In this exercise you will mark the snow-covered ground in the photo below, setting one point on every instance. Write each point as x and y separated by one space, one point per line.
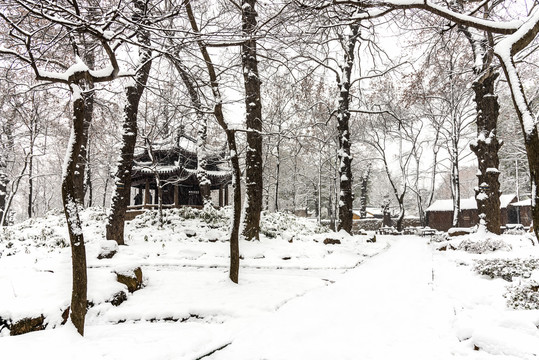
297 298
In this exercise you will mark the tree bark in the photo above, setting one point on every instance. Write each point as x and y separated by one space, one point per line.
531 135
346 197
253 119
486 148
122 190
364 192
231 140
71 210
88 96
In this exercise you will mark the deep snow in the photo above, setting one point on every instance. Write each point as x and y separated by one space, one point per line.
297 298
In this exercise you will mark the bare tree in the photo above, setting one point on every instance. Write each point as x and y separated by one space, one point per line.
120 198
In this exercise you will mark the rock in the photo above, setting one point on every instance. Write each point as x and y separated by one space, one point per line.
108 248
287 258
190 232
130 278
65 315
27 325
330 241
4 323
371 239
446 247
458 232
213 235
118 298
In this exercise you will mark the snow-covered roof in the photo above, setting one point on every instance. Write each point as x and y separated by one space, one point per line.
371 212
527 202
467 204
505 200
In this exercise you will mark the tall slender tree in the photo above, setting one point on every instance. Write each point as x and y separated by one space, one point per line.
120 198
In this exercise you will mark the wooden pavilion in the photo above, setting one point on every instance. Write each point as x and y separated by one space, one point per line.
175 164
440 213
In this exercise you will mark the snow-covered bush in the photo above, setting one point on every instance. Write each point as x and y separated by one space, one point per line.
518 229
481 246
506 269
274 224
439 237
524 296
215 218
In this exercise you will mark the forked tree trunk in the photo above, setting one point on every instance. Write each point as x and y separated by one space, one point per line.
486 147
346 196
122 190
253 119
71 210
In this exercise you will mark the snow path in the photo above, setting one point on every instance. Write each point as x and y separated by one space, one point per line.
387 308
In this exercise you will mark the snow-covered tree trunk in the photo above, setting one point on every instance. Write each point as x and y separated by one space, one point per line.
134 90
32 137
4 181
253 120
278 165
364 198
88 95
231 140
6 154
346 197
505 50
71 210
455 187
486 148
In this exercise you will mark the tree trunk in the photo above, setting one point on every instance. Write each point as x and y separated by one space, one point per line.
234 233
531 135
364 192
88 184
486 147
88 96
231 140
455 186
122 190
253 119
402 210
33 130
4 181
278 166
346 196
71 210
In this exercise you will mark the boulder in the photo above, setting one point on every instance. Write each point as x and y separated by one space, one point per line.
371 239
459 232
27 325
108 248
131 278
190 232
118 298
330 241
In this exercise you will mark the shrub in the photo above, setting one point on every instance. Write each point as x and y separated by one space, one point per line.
524 296
482 246
506 269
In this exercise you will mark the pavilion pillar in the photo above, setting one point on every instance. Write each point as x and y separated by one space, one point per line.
176 196
220 196
226 195
147 192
